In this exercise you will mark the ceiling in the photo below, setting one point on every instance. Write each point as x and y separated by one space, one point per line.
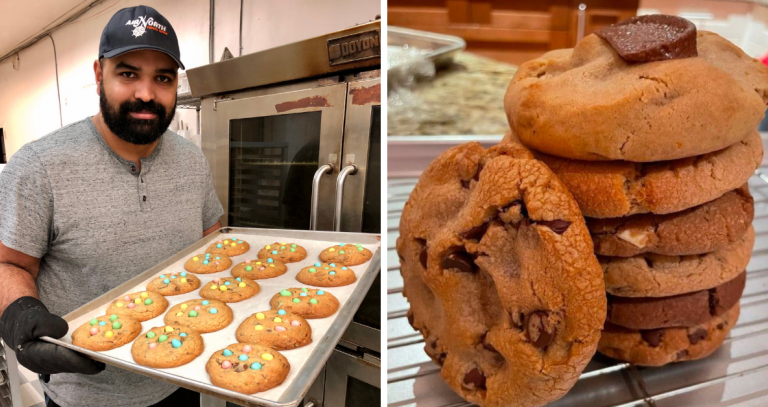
20 25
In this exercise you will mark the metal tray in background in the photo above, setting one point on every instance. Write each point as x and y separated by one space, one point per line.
734 375
440 48
295 391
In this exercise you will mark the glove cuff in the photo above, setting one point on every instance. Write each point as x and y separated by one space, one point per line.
13 311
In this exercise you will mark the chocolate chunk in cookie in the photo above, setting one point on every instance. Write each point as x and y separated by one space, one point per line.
654 37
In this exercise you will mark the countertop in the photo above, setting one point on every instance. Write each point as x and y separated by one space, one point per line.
466 97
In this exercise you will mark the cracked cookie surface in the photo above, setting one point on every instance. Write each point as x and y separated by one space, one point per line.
586 103
501 277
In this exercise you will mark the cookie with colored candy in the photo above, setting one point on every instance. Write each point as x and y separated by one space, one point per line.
656 347
247 368
106 332
276 328
142 305
309 303
174 283
201 315
259 269
346 254
499 270
229 247
285 252
326 275
208 263
230 289
167 346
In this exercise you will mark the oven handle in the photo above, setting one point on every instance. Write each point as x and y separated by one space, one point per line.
351 169
325 169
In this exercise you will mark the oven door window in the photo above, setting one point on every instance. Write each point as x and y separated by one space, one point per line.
272 162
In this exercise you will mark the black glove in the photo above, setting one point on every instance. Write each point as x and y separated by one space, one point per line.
27 319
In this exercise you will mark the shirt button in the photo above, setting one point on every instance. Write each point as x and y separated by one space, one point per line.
144 198
133 168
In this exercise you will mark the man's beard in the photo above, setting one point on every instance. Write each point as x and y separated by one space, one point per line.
132 129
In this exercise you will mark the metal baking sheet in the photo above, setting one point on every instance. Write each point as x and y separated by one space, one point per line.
735 375
438 48
305 362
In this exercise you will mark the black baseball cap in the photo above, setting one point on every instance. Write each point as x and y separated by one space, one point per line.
139 27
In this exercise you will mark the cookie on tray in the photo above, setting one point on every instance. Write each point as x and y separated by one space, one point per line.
174 283
499 270
663 187
587 103
679 310
309 303
346 254
701 229
201 315
247 368
106 332
285 252
142 305
208 263
230 289
229 247
259 269
326 275
167 346
657 347
655 275
276 328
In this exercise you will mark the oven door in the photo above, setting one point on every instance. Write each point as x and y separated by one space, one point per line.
352 379
361 200
267 151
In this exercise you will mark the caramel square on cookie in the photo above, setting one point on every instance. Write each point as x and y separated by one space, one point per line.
106 332
174 283
142 305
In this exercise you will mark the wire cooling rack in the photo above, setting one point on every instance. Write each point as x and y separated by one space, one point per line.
735 375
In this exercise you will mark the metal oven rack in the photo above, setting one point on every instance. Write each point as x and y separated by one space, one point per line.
735 375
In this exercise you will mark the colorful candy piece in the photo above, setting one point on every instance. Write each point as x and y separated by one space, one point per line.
218 246
102 323
205 302
193 313
241 285
267 356
150 335
183 280
113 317
243 357
198 308
223 288
226 364
247 261
227 352
285 293
162 338
144 295
331 249
312 270
108 334
184 306
259 327
131 305
295 323
320 292
274 251
227 282
270 261
303 294
239 279
216 279
247 348
166 281
255 365
94 330
178 314
248 268
153 345
94 321
176 343
313 301
213 311
148 301
183 274
260 316
281 312
332 265
214 287
119 305
296 300
183 334
341 251
137 301
278 319
318 264
168 328
117 325
280 328
332 273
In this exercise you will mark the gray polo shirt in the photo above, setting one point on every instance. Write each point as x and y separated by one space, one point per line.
96 221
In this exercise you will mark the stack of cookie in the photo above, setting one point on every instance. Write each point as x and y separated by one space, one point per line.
652 127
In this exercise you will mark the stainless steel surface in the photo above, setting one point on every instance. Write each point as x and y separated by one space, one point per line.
324 169
343 365
735 375
350 169
299 60
295 391
216 144
14 376
361 97
363 336
316 392
206 400
440 48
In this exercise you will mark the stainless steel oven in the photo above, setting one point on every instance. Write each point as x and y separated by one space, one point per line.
293 138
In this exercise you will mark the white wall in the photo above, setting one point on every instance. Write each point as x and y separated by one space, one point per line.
29 108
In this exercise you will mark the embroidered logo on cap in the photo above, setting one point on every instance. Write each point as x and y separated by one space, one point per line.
141 24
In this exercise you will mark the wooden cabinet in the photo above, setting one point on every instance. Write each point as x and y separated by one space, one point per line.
510 30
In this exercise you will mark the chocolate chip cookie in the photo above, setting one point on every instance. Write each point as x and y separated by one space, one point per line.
285 252
207 263
167 346
142 305
309 303
587 103
276 328
657 347
174 283
247 368
701 229
230 289
499 270
201 315
326 275
689 309
346 254
231 247
656 275
106 332
259 269
615 189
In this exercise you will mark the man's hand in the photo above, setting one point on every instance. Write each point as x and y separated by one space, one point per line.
27 319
